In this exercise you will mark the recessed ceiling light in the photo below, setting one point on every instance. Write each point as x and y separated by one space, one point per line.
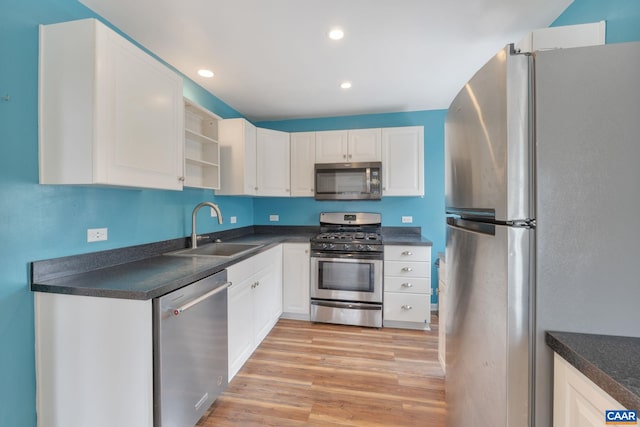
205 73
336 34
345 85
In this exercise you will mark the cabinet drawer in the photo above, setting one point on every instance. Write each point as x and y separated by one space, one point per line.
406 307
407 269
411 285
407 253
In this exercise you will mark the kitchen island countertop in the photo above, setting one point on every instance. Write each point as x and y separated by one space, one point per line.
611 362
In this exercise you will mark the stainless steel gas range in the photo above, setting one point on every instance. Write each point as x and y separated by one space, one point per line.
346 269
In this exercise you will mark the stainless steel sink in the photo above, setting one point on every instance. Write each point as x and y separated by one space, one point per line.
216 250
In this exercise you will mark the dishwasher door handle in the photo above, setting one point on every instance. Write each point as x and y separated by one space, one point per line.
179 310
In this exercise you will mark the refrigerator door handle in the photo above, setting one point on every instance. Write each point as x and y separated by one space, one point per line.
476 226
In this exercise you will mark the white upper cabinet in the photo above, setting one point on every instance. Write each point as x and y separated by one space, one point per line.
237 138
273 177
201 148
365 145
403 161
331 146
110 114
564 37
358 145
303 158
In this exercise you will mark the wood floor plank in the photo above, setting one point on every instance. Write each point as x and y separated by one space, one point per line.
307 374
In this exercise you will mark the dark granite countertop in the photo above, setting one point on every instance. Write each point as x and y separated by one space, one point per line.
611 362
404 236
144 272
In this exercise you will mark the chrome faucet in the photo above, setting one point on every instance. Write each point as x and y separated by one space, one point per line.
194 235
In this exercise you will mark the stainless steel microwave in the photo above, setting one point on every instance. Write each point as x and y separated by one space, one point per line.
348 181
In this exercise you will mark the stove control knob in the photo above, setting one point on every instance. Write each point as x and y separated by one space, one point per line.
369 247
346 247
361 247
332 246
324 246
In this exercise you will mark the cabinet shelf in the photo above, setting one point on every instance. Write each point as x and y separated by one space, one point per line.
197 137
200 162
201 147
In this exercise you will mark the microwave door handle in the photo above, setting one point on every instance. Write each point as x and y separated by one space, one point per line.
368 176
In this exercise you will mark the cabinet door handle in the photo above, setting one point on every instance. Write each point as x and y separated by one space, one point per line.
181 178
406 307
407 253
407 285
407 269
350 156
344 156
255 188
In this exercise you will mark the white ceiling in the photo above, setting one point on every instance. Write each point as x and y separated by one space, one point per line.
273 60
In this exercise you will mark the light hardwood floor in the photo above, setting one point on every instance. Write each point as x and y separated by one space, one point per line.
307 374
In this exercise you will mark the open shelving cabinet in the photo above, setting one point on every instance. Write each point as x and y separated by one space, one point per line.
201 147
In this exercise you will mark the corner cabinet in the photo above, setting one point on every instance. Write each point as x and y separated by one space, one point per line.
238 161
201 148
272 164
254 304
403 161
109 113
303 159
407 287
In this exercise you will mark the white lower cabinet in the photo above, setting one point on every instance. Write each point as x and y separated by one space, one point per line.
94 361
442 314
295 281
407 286
577 401
254 304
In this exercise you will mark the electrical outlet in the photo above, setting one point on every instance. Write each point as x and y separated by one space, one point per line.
233 220
96 234
213 213
274 218
407 219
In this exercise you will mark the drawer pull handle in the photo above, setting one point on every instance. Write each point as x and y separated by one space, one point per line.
406 307
407 269
407 285
407 253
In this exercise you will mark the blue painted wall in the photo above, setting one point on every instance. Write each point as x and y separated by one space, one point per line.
622 17
427 211
40 222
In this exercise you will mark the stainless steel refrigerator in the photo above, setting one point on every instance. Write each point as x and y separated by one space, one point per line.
542 184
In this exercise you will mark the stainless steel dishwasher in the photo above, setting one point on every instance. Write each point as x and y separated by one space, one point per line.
190 351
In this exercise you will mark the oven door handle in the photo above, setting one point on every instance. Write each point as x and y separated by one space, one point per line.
353 305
